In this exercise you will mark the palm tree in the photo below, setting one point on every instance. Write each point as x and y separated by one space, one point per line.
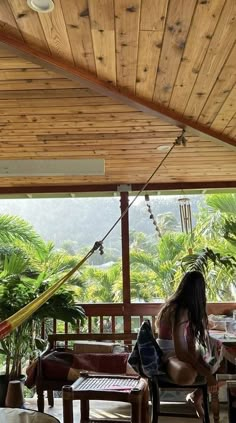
101 285
18 289
167 222
160 269
215 246
218 217
28 266
14 229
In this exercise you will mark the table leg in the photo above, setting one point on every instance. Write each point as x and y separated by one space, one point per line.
67 400
50 398
145 406
136 410
84 411
40 400
68 411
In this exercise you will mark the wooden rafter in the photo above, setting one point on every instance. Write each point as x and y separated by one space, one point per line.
168 186
90 81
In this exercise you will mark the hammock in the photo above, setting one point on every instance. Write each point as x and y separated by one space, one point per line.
8 325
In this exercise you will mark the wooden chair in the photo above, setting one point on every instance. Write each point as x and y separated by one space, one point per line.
163 382
230 380
146 359
231 384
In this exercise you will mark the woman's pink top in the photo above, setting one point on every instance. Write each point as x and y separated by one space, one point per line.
165 338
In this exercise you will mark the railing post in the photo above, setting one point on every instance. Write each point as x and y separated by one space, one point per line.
124 202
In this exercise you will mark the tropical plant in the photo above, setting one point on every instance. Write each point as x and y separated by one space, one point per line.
26 270
217 217
18 290
200 261
215 246
14 229
160 269
167 222
102 285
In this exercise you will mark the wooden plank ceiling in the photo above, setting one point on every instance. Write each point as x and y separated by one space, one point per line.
177 53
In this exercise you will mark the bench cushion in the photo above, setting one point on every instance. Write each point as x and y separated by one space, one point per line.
64 365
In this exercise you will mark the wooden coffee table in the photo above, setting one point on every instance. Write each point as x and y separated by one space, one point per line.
133 390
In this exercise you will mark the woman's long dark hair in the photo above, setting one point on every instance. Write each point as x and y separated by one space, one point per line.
191 296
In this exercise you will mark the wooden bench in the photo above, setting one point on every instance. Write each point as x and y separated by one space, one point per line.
64 341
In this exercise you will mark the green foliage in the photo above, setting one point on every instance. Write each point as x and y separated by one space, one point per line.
16 291
14 228
224 203
27 270
215 246
159 268
167 222
229 231
201 261
211 249
102 285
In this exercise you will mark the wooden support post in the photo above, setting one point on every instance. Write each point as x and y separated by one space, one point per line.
124 202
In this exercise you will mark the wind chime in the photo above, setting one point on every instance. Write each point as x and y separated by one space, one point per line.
185 217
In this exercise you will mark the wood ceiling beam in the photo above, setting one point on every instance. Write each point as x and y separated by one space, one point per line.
163 186
91 81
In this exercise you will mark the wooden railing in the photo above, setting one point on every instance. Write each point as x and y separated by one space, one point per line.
121 321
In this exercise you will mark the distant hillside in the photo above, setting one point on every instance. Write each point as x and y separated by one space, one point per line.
85 220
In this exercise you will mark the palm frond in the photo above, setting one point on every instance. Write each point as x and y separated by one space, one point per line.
144 260
171 245
14 264
209 223
61 306
229 231
200 261
14 228
225 203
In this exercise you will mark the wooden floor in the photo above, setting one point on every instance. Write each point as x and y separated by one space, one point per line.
113 410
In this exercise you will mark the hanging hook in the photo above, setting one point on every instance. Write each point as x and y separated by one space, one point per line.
181 140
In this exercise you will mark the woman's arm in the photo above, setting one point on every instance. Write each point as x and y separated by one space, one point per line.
186 354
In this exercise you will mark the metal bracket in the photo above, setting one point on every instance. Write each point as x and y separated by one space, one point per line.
124 188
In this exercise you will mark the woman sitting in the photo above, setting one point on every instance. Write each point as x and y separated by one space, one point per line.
182 328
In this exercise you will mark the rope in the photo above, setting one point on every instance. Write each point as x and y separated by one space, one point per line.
20 316
140 192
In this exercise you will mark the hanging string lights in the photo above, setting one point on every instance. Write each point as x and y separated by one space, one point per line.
147 199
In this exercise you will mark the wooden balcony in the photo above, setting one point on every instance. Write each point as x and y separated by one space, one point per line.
120 322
